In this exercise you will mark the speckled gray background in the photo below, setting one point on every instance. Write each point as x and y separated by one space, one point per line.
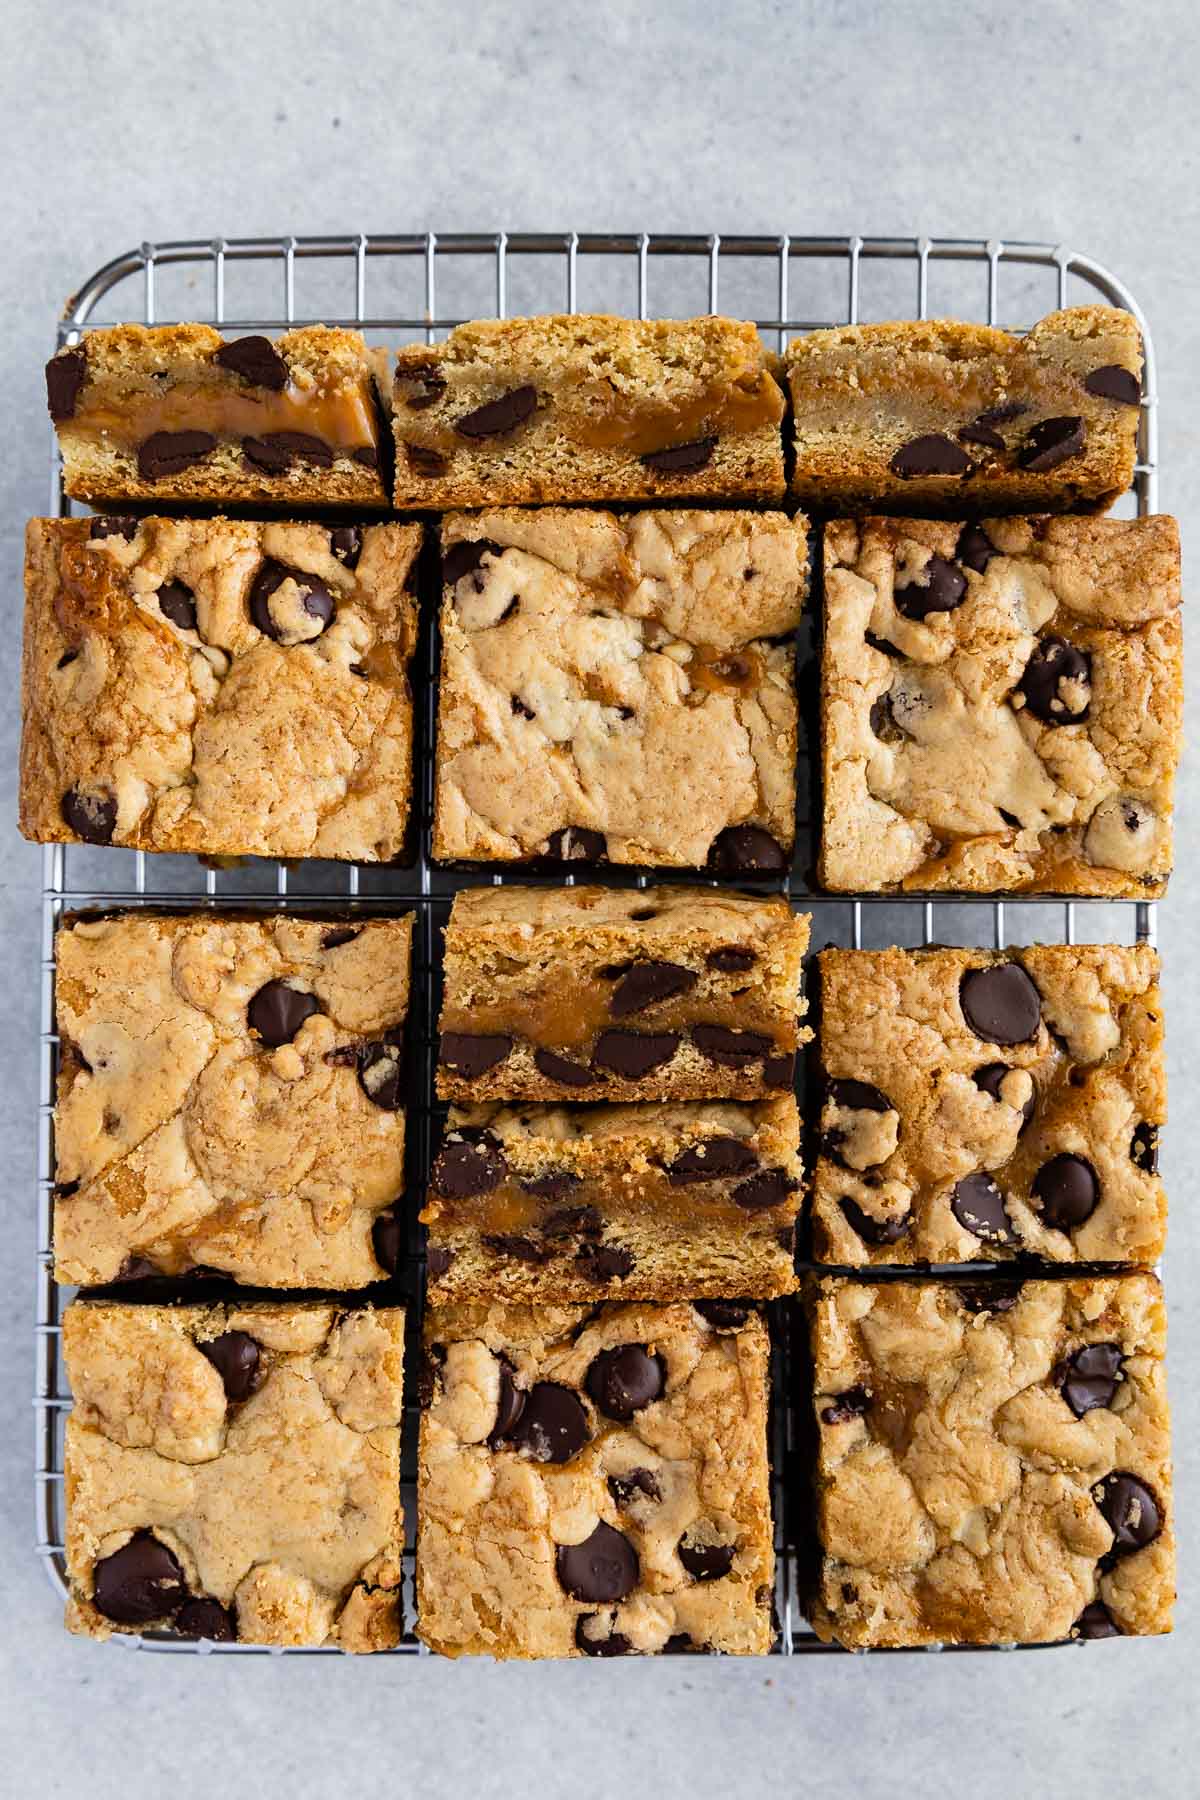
951 117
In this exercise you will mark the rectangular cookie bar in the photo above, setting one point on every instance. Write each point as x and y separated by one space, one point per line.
591 993
650 1201
218 686
230 1096
983 1105
994 1462
508 411
942 416
594 1482
1001 705
615 687
174 412
233 1472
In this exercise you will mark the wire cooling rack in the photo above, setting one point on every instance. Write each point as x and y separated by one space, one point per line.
408 287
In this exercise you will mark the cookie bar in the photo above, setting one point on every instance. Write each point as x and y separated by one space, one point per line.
654 1201
615 687
1001 705
175 412
619 994
984 1105
508 411
233 1473
994 1462
940 416
230 1096
218 686
594 1483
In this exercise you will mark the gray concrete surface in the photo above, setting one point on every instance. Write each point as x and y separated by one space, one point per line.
131 121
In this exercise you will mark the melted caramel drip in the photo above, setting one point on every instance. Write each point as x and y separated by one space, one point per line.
345 419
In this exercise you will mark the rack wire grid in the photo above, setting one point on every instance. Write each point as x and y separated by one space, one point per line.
418 286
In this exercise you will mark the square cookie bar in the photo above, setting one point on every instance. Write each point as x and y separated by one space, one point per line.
942 416
230 1096
588 407
615 687
994 1462
984 1105
233 1472
218 686
595 1483
591 993
174 412
1001 705
654 1202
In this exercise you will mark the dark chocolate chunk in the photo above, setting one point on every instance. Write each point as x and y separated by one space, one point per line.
433 1359
993 1296
1143 1148
177 603
872 1230
638 1481
730 1049
316 599
426 462
883 646
1053 662
1067 1191
603 1569
1090 1376
568 1221
1095 1621
931 454
605 1262
859 1096
623 1381
92 817
137 1268
278 450
1112 382
553 1426
437 1260
113 525
464 1170
680 459
561 1069
510 1404
978 1205
846 1406
615 1644
171 452
256 360
206 1619
498 417
646 983
471 1054
367 456
346 543
724 1315
977 433
422 388
520 1249
942 590
712 1160
705 1562
990 1078
278 1011
236 1357
381 1073
1131 1510
65 375
731 959
341 934
975 548
138 1583
779 1071
634 1054
465 557
1000 1003
387 1238
770 1187
576 843
1050 442
745 850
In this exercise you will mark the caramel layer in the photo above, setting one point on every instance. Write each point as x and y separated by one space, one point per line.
508 1209
344 419
553 1020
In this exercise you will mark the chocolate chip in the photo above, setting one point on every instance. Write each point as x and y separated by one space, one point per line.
991 1297
978 1205
1143 1148
603 1569
634 1054
615 1644
426 462
648 983
510 1404
520 710
576 843
779 1071
235 1356
465 557
171 452
437 1261
883 646
769 1188
883 722
1112 382
433 1359
1052 441
871 1230
464 1170
1131 1510
729 1049
930 455
731 959
346 542
137 1268
560 1069
65 375
975 548
206 1619
744 849
859 1096
520 1249
341 934
942 590
1089 1377
623 1381
471 1054
278 450
381 1073
140 1582
1053 662
256 360
387 1239
987 435
1095 1621
278 1011
315 598
499 417
1067 1191
92 817
990 1078
1000 1003
723 1315
605 1262
623 1488
568 1221
366 455
705 1562
712 1160
680 459
113 525
850 1405
553 1426
422 387
177 603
